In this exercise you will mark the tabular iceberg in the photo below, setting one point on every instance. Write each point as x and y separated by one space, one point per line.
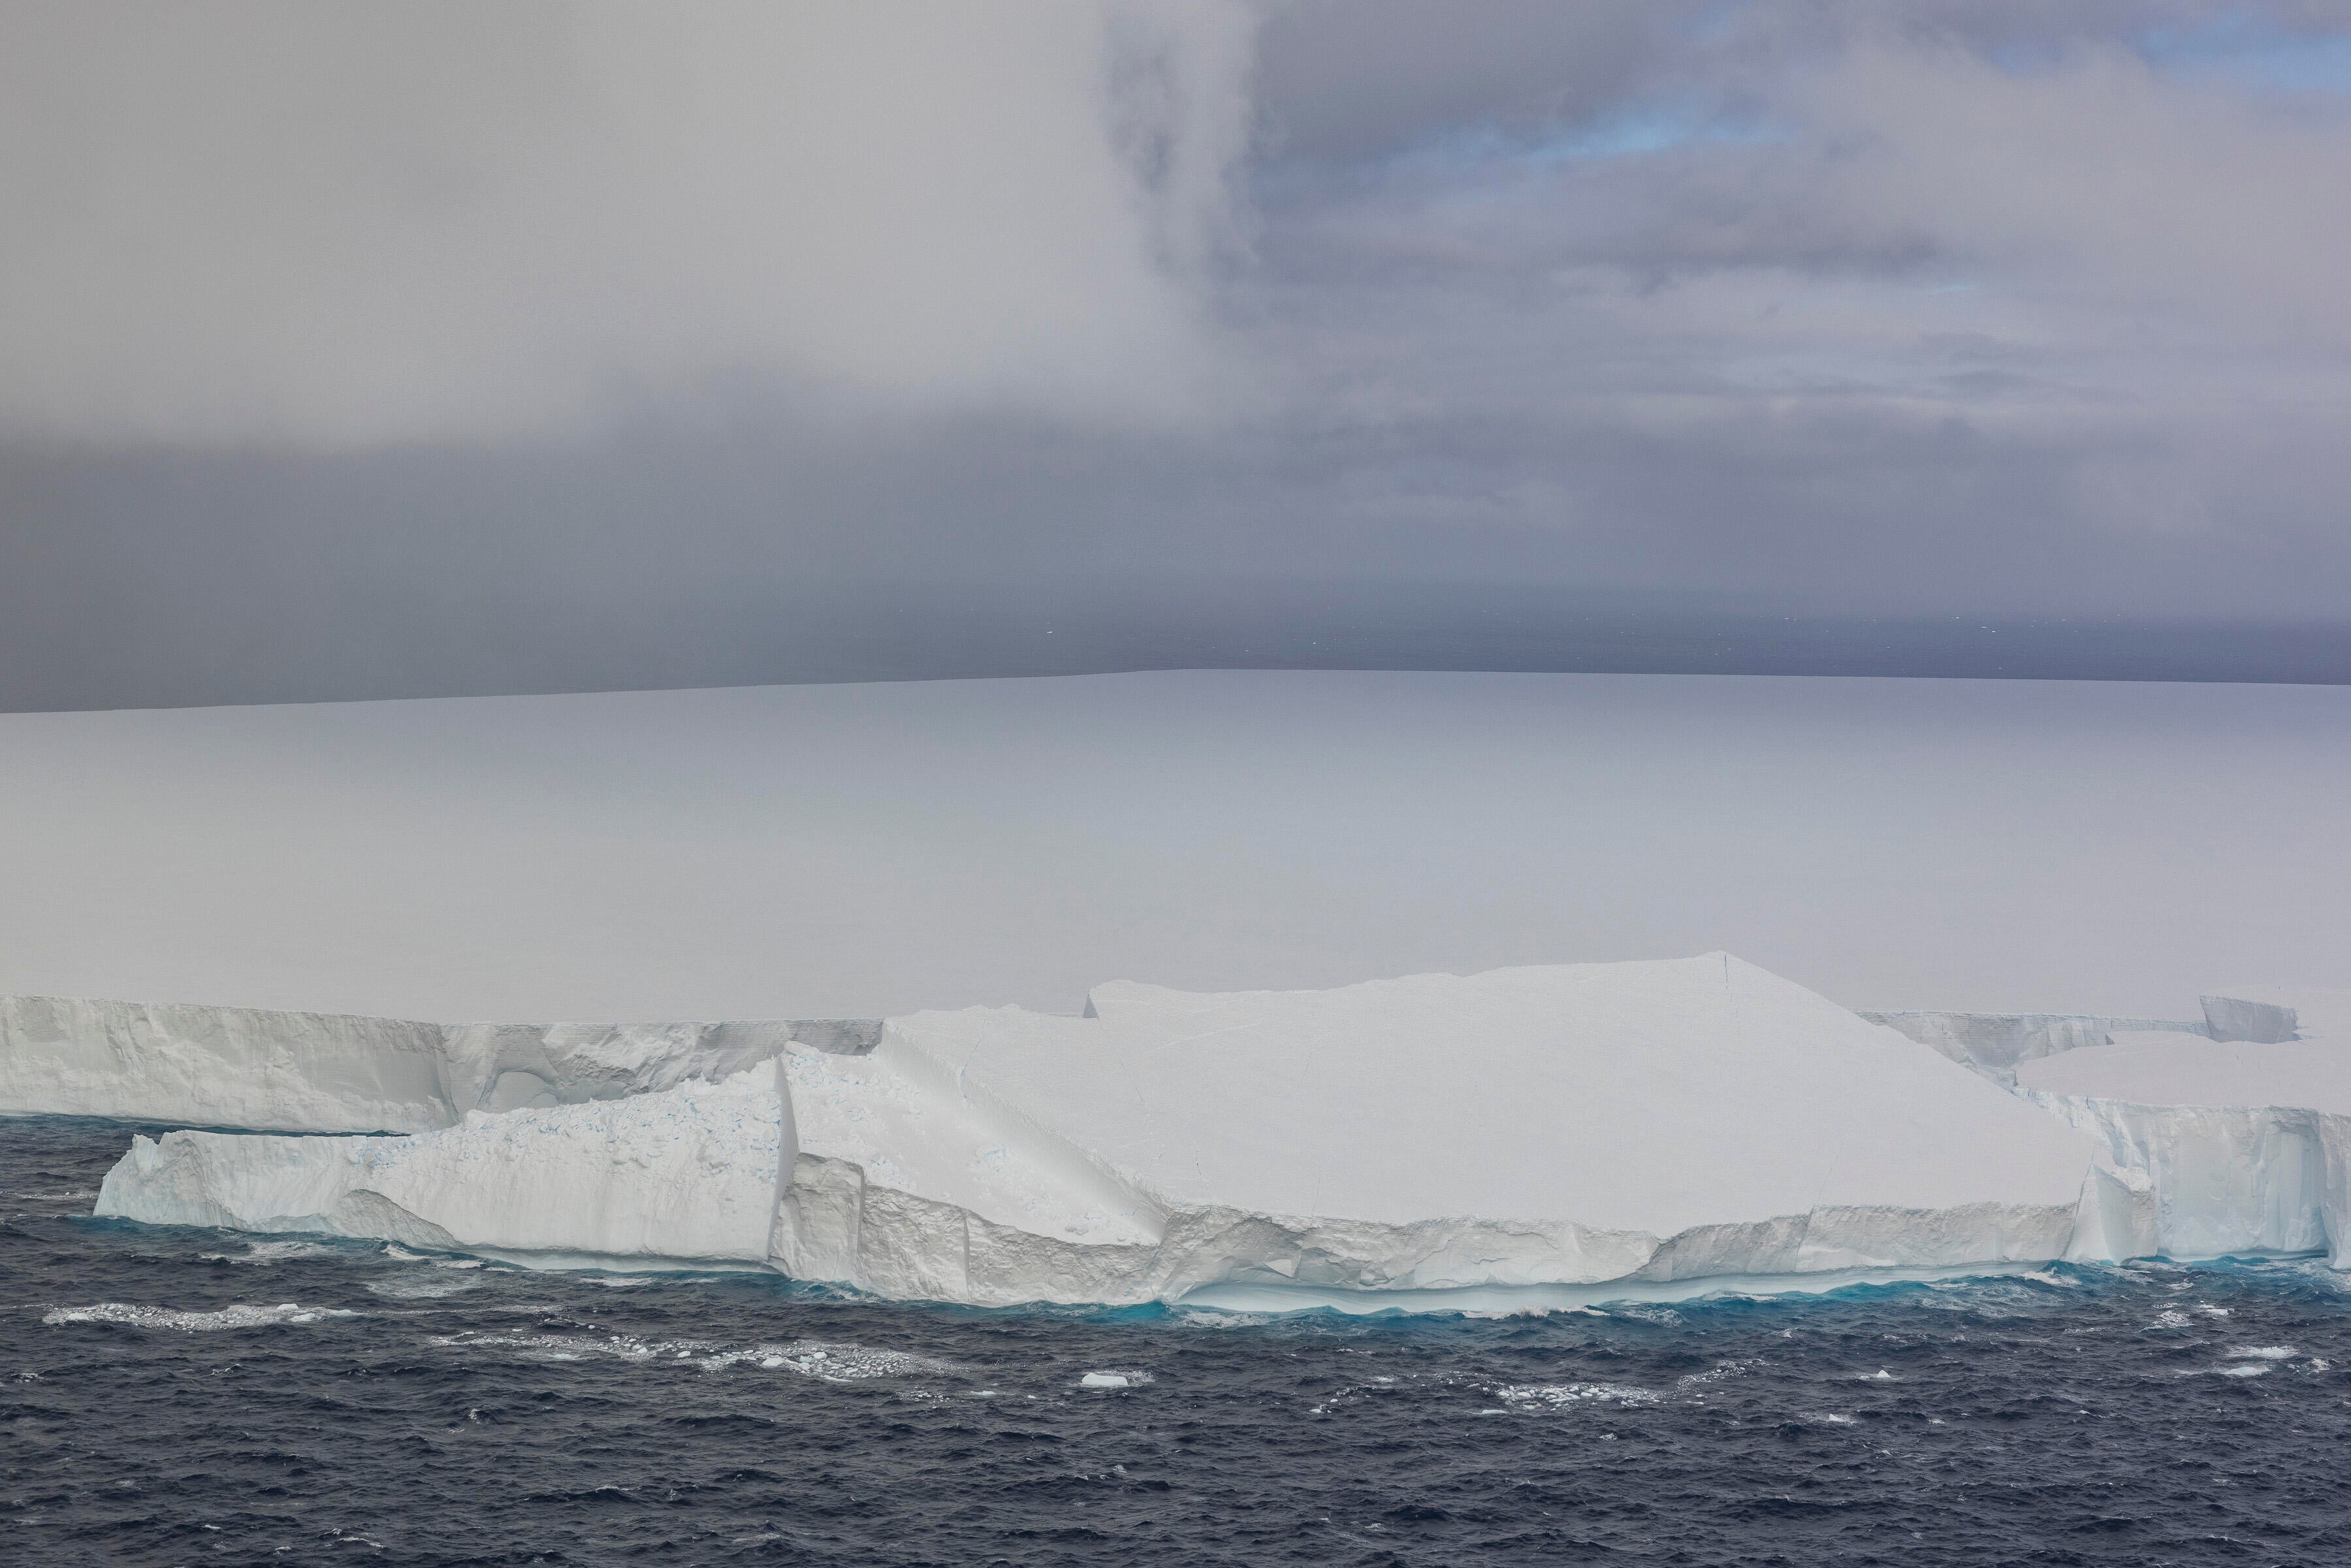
1530 1136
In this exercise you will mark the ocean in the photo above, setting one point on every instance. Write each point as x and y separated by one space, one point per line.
174 1396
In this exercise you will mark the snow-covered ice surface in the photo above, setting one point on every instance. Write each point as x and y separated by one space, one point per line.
2156 1069
870 851
686 1175
1644 1096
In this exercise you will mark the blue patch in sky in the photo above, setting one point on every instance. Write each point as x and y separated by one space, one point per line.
2252 51
1628 133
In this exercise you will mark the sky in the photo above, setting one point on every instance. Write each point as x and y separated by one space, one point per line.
441 349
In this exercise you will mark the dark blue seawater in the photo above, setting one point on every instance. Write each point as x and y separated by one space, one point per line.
186 1396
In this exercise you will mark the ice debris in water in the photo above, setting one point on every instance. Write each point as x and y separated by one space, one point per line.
234 1317
399 1254
1112 1379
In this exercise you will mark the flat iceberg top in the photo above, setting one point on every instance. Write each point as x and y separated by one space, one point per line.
1644 1096
2188 1070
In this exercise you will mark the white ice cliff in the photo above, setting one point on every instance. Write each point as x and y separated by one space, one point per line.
2236 1146
1532 1136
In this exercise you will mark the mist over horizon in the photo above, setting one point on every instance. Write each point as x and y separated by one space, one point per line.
439 350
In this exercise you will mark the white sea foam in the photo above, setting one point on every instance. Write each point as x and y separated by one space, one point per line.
264 1253
424 1287
1556 1395
828 1363
2263 1353
1715 1374
184 1322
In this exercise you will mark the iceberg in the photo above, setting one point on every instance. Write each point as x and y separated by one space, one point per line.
1523 1138
686 1175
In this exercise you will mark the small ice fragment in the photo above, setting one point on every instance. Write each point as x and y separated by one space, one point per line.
1103 1380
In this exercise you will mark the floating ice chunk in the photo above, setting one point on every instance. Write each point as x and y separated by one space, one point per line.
1103 1380
687 1174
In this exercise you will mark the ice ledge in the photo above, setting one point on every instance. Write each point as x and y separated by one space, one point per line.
266 1070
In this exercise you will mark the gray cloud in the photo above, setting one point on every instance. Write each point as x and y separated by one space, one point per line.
439 351
271 221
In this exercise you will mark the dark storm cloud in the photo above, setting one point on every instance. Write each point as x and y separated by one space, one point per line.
546 352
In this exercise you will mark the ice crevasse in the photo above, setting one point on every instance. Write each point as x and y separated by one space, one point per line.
1527 1136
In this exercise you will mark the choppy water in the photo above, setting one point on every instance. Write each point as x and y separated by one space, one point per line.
179 1396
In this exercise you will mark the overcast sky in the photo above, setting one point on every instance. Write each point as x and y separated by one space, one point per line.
440 346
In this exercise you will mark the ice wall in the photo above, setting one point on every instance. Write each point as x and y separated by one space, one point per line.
267 1071
221 1067
2225 1181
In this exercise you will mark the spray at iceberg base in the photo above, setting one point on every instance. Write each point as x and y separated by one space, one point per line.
1520 1140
